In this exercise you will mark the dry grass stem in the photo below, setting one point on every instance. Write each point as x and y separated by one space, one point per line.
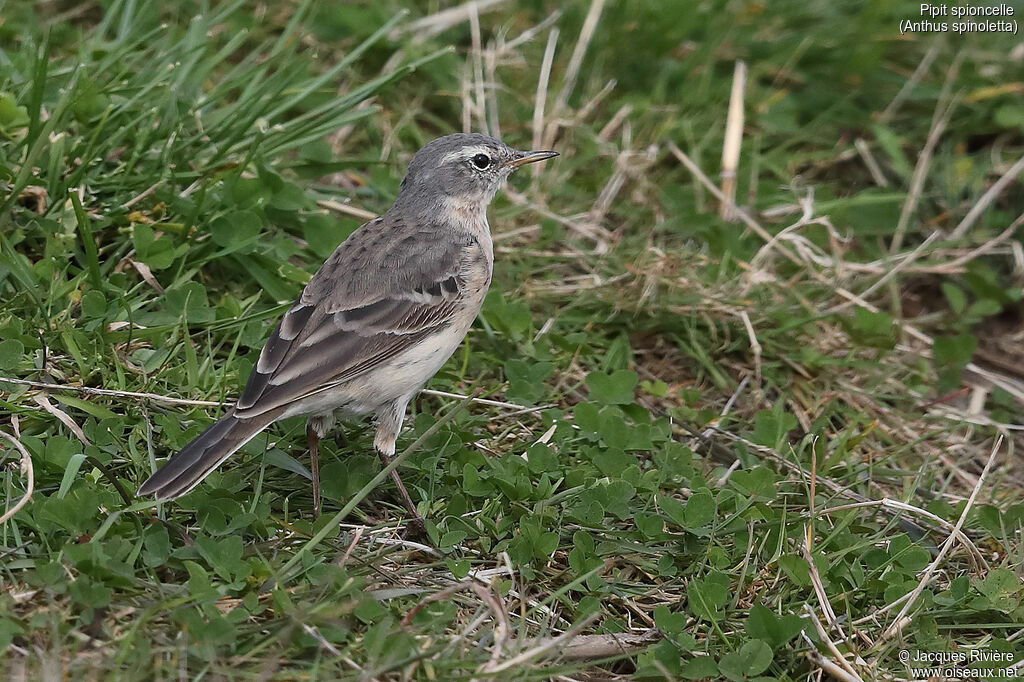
986 199
88 390
733 141
588 107
62 416
1007 384
973 551
429 26
794 468
343 559
572 71
542 93
615 122
869 162
26 469
755 346
900 621
530 33
466 98
890 273
346 209
591 647
490 57
828 666
476 59
706 433
142 195
920 174
815 577
147 275
545 646
606 197
910 83
210 403
595 233
840 660
940 118
739 212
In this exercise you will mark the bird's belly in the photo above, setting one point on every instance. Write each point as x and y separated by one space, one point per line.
401 376
407 372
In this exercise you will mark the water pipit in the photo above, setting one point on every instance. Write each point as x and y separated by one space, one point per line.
380 317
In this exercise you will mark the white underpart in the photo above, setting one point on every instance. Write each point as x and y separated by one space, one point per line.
401 377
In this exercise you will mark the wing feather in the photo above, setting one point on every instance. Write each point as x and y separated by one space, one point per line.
388 286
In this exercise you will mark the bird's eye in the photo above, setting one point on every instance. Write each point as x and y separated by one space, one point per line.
482 161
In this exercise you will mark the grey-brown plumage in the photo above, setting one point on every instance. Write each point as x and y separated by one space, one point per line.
380 317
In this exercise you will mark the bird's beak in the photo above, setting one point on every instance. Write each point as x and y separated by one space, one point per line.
523 158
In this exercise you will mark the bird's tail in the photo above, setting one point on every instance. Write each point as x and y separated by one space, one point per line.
196 460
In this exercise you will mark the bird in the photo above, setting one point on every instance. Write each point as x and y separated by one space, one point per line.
379 318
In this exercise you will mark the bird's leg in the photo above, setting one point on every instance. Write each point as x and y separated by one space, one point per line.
313 440
389 423
406 499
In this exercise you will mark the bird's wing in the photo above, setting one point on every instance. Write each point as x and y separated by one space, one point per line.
389 285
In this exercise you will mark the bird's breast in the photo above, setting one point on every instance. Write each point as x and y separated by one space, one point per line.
477 266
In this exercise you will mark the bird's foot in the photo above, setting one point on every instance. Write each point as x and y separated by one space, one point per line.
415 529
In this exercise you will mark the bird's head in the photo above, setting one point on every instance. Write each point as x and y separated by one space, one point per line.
466 167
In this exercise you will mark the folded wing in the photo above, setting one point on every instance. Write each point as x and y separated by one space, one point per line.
366 305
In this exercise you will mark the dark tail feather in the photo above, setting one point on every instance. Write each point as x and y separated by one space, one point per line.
196 460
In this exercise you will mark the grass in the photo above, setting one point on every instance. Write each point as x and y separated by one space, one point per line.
713 454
